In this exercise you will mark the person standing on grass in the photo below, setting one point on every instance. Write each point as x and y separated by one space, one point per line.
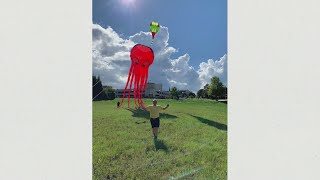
154 116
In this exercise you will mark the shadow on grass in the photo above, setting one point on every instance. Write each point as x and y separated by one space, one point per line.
140 122
158 144
211 123
167 116
139 113
145 114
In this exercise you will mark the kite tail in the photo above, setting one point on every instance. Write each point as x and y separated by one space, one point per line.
141 90
136 89
125 89
146 79
145 85
129 94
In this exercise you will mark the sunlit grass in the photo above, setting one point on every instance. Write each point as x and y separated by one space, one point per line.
192 142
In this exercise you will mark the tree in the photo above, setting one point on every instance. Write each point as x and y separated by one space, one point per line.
216 88
110 93
192 95
183 94
200 93
97 90
206 91
100 92
174 93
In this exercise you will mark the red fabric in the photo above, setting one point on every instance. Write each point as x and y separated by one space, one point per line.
141 58
153 34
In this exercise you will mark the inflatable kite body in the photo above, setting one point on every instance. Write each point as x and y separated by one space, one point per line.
141 58
154 28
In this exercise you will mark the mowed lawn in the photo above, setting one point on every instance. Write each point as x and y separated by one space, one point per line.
192 142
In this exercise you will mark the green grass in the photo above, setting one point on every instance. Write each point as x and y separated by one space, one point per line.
192 142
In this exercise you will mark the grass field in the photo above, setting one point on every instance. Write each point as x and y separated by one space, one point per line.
192 142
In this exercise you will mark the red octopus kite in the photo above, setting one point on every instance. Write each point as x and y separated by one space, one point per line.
141 58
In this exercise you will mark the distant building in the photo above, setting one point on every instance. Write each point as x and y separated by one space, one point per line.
119 93
153 90
162 94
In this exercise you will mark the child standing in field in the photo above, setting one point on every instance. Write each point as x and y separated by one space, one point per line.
154 116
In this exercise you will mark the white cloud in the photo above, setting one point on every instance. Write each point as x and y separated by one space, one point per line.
111 61
213 68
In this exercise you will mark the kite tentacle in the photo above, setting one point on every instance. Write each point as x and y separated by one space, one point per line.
124 91
129 94
141 90
145 83
136 88
141 87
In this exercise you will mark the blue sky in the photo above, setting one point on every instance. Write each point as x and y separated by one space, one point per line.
198 28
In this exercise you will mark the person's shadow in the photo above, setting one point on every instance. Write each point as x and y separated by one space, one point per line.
211 123
146 115
159 145
138 113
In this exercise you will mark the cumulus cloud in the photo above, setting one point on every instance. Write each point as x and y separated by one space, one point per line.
213 68
111 61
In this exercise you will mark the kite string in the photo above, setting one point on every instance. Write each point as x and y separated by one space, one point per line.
96 83
178 157
175 158
98 94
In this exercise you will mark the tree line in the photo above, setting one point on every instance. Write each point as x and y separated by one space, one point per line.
101 93
176 94
214 90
